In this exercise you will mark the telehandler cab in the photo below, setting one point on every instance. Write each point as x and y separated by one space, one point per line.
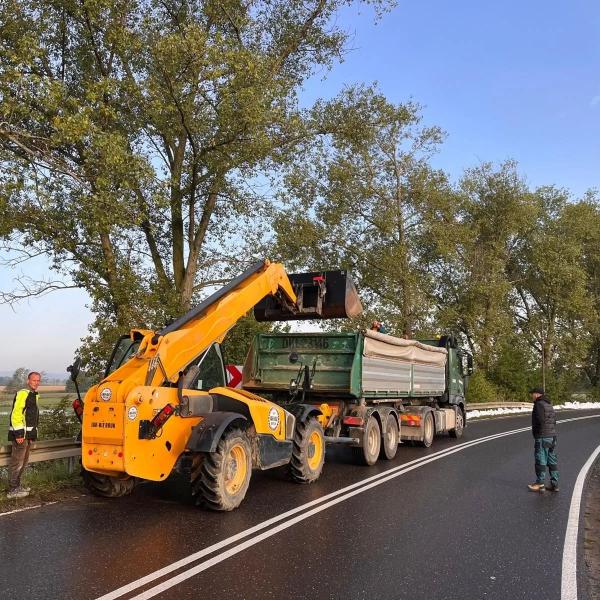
163 403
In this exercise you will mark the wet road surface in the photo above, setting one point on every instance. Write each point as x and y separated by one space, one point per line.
452 521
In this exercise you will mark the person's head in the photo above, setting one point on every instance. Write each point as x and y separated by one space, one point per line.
536 392
375 325
33 380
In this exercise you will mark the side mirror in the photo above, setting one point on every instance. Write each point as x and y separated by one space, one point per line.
74 369
469 364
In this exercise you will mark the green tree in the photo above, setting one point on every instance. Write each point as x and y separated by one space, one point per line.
494 209
237 342
515 369
587 214
481 389
363 198
84 382
129 131
18 380
59 422
552 305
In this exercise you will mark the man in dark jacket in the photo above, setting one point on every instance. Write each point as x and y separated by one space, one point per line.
378 326
543 427
22 431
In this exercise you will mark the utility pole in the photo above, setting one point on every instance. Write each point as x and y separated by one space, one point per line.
543 369
543 362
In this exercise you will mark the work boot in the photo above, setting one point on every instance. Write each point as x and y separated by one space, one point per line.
553 486
536 487
17 493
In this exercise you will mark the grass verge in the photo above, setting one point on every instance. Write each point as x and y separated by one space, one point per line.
49 481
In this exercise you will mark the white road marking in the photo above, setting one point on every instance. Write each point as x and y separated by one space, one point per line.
578 419
342 495
568 588
18 510
234 538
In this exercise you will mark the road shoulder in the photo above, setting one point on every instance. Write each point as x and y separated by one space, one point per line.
591 540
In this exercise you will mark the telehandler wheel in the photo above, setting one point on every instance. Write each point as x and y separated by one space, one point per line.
308 453
221 480
389 445
428 430
105 486
460 425
369 453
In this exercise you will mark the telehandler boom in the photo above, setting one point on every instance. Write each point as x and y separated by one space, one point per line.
163 403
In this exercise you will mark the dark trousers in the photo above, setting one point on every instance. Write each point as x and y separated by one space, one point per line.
545 456
18 461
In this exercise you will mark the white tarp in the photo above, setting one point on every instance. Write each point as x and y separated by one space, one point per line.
380 345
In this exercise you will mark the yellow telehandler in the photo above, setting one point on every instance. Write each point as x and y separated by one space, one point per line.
164 404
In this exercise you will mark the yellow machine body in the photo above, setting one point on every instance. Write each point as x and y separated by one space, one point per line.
146 383
112 444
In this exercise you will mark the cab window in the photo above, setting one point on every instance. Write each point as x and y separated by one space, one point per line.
210 371
123 351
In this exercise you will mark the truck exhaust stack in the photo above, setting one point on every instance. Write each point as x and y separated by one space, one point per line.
321 295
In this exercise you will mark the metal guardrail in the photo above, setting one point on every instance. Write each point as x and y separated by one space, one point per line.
68 448
45 450
486 405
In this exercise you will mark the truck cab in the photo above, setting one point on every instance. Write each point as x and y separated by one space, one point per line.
458 368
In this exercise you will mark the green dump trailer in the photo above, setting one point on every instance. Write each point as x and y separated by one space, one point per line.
369 390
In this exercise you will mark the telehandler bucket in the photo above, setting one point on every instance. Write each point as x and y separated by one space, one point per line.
321 295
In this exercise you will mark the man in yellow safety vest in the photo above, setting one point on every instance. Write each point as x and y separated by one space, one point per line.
22 430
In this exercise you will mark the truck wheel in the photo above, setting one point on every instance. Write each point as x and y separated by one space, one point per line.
369 453
389 446
460 424
105 486
428 430
221 478
308 454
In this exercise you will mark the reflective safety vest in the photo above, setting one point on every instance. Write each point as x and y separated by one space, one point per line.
24 415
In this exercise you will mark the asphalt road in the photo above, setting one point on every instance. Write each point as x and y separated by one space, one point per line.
429 524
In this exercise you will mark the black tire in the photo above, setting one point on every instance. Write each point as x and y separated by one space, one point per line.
369 452
308 453
220 479
389 444
428 430
460 424
105 486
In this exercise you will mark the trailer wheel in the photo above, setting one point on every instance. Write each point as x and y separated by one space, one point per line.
221 479
460 425
369 453
389 446
428 430
308 454
105 486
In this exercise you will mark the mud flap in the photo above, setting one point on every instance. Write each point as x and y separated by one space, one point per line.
271 453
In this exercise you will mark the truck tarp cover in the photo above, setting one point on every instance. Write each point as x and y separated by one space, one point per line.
379 345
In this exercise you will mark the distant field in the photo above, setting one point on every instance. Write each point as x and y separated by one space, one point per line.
47 399
43 388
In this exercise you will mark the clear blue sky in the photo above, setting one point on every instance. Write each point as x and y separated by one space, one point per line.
508 79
